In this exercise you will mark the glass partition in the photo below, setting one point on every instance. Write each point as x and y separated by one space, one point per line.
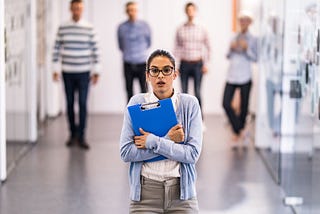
270 84
288 120
315 191
17 77
300 117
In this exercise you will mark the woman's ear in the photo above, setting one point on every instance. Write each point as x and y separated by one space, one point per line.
175 74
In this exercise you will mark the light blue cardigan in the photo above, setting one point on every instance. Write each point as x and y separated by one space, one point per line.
189 115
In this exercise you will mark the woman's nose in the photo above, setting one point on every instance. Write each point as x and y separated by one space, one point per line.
160 74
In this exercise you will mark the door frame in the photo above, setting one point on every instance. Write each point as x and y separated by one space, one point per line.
3 155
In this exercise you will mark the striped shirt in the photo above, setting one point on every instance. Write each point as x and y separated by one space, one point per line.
192 43
76 48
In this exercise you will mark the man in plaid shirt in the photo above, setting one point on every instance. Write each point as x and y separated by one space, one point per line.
192 48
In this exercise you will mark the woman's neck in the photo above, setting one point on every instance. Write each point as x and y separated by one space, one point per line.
164 95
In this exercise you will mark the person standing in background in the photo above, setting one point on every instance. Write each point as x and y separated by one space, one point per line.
192 48
134 39
76 50
242 52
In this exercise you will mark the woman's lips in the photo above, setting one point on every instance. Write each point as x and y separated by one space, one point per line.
160 83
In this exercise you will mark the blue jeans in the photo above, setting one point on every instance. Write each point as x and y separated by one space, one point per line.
194 70
74 82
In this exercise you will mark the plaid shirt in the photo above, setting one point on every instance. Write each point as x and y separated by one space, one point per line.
192 43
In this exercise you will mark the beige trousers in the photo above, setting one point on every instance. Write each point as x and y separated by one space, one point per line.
162 197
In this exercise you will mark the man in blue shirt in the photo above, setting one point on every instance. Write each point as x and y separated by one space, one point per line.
134 39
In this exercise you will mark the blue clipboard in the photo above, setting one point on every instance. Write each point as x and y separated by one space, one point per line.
156 117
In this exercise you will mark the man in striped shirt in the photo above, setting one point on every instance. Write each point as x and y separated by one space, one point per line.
192 48
77 52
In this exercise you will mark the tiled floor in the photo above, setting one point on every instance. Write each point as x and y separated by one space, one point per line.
52 178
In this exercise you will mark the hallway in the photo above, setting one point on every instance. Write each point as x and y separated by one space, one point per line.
52 178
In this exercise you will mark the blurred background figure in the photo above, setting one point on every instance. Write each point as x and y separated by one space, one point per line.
76 48
134 39
192 48
242 52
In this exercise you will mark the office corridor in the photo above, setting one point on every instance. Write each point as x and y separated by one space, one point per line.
52 178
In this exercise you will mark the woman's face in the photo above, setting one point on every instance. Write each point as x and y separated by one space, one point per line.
162 85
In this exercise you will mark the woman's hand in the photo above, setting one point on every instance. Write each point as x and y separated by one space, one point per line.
176 133
140 141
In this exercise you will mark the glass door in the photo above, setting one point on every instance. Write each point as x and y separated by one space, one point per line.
315 195
301 100
270 85
19 78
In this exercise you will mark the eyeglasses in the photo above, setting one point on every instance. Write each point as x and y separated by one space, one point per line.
166 71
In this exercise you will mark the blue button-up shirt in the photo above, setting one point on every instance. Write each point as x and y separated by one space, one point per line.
240 61
134 39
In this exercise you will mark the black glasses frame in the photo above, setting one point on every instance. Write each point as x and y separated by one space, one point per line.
161 70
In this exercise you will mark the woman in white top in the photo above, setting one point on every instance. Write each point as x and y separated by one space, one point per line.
166 185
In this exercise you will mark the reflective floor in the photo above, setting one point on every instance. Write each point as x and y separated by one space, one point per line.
15 152
16 133
52 178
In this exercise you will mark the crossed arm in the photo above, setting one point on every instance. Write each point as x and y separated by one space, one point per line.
147 146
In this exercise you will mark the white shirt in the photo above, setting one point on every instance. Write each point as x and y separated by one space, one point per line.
239 71
164 169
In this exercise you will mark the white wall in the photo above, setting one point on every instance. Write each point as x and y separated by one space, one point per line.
53 90
164 17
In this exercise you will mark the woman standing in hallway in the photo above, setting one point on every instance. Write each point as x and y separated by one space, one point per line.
164 186
242 52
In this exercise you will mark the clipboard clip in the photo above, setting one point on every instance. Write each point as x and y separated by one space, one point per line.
148 106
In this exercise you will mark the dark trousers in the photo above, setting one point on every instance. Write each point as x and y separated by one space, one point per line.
132 71
77 82
194 70
237 121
